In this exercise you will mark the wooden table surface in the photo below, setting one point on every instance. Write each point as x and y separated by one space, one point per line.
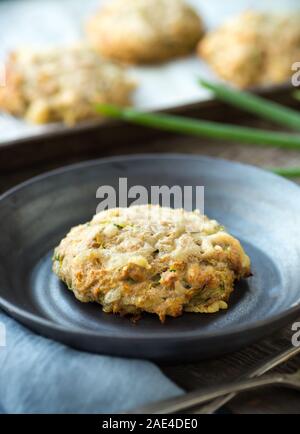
22 162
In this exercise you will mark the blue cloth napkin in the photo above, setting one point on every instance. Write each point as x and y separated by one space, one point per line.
38 375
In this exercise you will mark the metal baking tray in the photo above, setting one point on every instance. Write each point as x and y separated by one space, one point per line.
57 22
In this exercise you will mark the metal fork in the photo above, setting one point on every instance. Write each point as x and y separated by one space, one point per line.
197 398
190 400
257 371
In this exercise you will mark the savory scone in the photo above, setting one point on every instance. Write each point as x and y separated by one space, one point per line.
153 259
145 31
253 48
62 84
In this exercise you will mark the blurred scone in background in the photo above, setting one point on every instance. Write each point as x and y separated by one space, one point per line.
62 84
253 48
145 31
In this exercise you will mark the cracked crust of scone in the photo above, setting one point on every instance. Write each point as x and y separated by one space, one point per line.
62 84
151 259
140 31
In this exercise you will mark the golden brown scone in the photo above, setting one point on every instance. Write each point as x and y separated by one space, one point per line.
153 259
253 48
61 84
145 31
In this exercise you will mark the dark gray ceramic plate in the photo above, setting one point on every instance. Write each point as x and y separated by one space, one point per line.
261 209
